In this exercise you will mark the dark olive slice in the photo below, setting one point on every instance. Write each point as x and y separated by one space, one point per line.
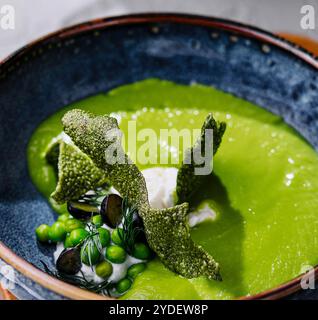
111 210
69 261
138 224
81 210
137 221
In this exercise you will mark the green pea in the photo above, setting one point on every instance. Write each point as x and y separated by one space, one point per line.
72 224
104 269
57 232
104 237
97 221
68 242
42 232
123 285
116 236
90 254
115 254
136 269
77 236
141 251
63 217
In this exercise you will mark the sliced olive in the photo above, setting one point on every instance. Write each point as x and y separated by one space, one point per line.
81 210
111 210
69 261
137 221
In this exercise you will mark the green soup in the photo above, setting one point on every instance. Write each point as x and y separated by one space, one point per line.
264 187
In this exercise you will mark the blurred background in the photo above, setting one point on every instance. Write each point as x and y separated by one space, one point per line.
34 18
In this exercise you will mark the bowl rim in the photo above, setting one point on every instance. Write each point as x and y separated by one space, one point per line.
268 38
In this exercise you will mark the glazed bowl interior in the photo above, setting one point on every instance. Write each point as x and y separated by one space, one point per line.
96 57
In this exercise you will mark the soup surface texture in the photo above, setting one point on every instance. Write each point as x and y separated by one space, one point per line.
263 188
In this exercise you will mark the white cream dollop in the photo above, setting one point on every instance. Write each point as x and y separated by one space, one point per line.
161 184
201 214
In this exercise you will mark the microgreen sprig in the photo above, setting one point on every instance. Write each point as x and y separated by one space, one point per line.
130 231
89 242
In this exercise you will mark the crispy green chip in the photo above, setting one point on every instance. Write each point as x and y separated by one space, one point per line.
168 234
100 138
77 174
187 179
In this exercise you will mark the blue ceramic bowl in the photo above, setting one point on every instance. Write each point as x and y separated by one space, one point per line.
97 56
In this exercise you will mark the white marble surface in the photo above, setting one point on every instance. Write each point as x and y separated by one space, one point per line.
35 18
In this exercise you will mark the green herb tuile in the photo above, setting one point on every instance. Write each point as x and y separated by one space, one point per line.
187 180
77 174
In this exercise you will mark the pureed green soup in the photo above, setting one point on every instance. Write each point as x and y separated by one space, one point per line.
263 188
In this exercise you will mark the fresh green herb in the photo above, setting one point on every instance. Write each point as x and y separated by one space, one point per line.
130 231
92 248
